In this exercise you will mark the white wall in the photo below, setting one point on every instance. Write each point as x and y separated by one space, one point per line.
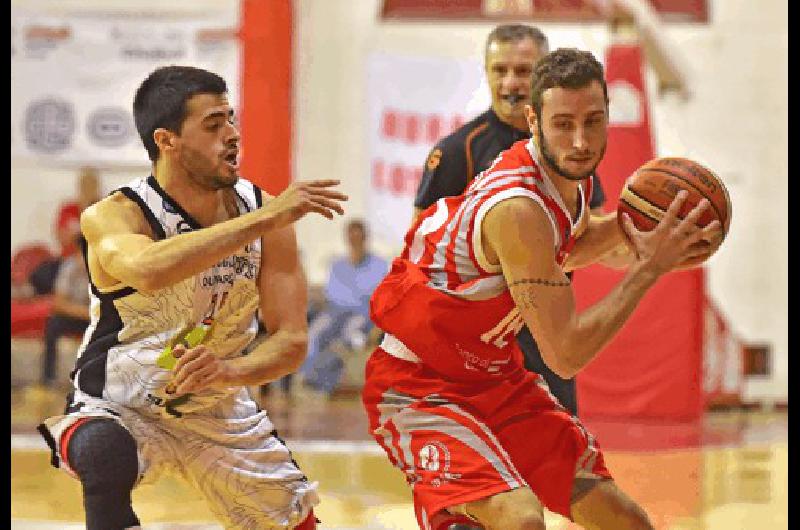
736 122
38 189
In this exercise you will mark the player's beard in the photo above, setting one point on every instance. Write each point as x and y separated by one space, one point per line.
547 154
201 171
218 182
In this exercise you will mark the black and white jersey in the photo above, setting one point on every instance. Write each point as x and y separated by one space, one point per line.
130 329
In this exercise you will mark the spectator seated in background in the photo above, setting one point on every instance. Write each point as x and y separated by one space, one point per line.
343 323
28 311
67 230
69 214
70 311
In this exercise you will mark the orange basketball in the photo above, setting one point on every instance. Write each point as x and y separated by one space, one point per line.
651 189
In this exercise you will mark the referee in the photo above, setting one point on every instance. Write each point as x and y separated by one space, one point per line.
511 52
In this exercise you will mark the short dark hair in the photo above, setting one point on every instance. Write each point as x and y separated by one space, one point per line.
160 100
517 32
567 68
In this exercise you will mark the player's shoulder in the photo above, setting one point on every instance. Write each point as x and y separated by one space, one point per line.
111 214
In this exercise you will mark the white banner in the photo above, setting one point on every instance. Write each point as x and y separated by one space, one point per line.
412 103
73 79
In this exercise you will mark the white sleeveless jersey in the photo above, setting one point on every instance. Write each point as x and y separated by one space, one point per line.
130 329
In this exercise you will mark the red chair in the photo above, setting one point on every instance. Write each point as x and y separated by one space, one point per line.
28 316
25 260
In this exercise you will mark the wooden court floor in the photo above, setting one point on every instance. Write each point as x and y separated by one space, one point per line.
729 472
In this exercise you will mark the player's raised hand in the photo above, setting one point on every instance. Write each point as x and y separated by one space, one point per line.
674 241
301 198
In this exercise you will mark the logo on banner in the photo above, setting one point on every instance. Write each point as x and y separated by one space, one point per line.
41 40
625 104
49 125
109 126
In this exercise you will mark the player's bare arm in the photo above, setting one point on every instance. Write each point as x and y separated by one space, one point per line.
605 242
282 292
518 235
283 304
122 249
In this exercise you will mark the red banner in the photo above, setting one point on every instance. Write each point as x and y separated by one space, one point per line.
653 368
266 35
533 10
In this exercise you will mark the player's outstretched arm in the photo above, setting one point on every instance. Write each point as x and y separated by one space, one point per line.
118 236
518 232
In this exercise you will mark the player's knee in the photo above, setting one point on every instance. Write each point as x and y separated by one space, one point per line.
637 519
519 508
631 516
103 455
530 521
520 517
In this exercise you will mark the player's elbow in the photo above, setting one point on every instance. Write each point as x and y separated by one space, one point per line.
144 280
132 271
564 370
296 349
559 364
143 283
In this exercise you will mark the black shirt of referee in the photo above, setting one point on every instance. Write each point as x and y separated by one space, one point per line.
452 164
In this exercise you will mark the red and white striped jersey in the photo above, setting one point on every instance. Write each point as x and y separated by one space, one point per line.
445 242
442 303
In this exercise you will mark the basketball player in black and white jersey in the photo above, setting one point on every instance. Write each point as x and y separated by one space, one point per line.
179 263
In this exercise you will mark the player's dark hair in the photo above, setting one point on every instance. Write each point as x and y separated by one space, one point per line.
566 68
160 100
515 33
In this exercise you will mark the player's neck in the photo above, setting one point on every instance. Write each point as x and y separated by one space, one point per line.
202 203
567 188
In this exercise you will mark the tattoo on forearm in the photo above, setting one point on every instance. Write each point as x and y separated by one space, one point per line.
524 298
539 281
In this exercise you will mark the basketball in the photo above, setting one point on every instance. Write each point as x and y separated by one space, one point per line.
648 193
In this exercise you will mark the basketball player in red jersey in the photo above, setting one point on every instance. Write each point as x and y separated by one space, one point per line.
479 439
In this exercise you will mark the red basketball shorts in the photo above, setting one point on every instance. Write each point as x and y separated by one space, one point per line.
458 443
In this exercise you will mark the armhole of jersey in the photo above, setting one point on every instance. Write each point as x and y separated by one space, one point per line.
257 192
477 241
158 230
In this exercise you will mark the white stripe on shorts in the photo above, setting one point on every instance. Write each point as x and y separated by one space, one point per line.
410 420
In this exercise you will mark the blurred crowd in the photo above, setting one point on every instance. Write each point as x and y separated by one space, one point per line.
50 288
